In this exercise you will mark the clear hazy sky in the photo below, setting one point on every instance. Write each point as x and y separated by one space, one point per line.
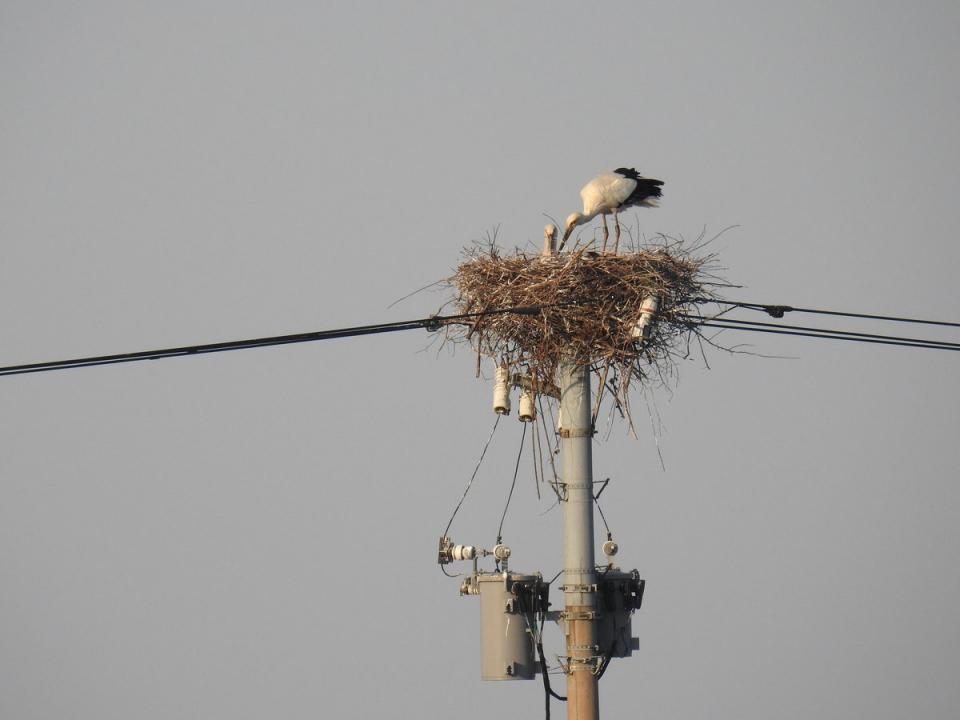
253 534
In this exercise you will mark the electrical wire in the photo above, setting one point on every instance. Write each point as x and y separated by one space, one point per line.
829 331
596 500
530 617
537 456
473 476
723 324
435 322
944 344
605 663
555 485
516 471
432 324
779 310
545 673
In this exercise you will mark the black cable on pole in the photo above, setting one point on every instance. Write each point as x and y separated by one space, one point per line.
436 322
431 323
945 344
596 500
551 449
778 311
537 469
775 331
516 471
473 476
605 663
544 670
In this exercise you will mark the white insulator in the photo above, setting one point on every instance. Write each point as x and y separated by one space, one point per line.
501 552
463 552
528 410
501 392
644 325
610 548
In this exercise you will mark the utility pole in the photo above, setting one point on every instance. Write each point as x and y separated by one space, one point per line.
580 577
511 602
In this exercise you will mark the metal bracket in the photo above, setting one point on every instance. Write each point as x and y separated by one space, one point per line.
590 663
525 382
579 588
444 552
577 432
579 614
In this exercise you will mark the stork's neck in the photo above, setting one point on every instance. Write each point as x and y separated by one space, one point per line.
587 217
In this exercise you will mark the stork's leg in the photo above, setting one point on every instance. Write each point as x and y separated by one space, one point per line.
616 236
606 232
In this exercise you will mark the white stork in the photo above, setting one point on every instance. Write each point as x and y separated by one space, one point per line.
611 193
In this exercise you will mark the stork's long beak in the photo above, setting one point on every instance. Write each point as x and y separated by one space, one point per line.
566 236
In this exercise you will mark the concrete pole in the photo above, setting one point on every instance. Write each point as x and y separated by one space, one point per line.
576 433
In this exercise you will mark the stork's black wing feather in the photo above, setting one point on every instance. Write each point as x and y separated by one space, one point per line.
646 188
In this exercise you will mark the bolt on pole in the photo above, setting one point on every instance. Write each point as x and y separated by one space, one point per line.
580 606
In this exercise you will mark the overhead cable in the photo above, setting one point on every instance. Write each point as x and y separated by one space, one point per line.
432 323
778 311
435 322
772 328
829 331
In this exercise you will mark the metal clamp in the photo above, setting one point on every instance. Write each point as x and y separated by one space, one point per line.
579 588
577 432
590 663
579 614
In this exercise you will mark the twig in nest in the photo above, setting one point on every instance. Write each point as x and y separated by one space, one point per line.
590 305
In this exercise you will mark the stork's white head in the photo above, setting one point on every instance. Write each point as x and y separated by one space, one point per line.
573 220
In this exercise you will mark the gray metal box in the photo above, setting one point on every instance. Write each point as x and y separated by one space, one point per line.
506 643
618 595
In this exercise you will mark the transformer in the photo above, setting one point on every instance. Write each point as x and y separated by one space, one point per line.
618 595
509 603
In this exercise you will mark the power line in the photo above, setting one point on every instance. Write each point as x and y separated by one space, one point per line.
832 335
432 323
778 311
828 331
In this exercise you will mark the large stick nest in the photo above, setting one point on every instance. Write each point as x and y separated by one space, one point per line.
589 305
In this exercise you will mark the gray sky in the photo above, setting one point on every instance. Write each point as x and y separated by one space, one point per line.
253 534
